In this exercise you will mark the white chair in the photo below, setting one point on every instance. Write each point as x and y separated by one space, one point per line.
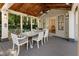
34 30
38 38
19 41
45 35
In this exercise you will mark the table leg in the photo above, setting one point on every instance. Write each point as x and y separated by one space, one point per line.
31 45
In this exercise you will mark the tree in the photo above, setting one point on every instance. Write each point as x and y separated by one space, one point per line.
14 21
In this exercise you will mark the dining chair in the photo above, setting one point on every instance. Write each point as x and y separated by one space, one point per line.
45 35
38 38
19 41
33 29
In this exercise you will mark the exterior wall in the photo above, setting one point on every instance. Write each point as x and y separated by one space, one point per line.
4 11
73 17
60 33
76 25
71 25
67 25
4 24
54 14
78 32
41 21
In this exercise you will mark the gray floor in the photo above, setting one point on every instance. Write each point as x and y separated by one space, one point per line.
54 47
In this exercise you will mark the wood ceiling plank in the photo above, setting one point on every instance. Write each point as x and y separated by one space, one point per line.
1 4
35 8
16 6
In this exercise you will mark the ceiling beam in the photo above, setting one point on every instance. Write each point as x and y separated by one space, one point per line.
6 6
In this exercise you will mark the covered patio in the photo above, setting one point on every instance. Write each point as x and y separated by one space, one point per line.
54 47
34 21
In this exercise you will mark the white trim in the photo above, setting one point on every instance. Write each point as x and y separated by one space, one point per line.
6 6
21 23
31 23
38 22
71 25
74 6
4 11
19 13
22 14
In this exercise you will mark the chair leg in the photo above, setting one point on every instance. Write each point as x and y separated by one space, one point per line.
32 42
47 38
42 42
13 46
18 50
38 44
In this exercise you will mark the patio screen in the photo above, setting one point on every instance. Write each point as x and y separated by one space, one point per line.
14 23
34 23
26 23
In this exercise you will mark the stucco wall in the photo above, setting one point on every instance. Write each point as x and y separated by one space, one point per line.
55 14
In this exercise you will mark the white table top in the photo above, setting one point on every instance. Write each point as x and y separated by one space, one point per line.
32 33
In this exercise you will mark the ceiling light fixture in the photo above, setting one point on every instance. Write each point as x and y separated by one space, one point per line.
67 3
41 12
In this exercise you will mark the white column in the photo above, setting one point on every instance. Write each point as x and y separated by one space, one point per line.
21 23
31 23
4 11
4 24
38 22
46 23
78 31
71 25
76 25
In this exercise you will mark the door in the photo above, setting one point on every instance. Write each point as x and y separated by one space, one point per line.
52 28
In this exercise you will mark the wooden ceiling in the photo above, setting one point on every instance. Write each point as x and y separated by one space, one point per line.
35 8
1 4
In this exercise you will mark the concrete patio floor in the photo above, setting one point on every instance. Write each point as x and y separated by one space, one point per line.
54 47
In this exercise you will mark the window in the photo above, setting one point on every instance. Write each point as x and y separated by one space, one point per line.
34 23
14 23
26 23
61 22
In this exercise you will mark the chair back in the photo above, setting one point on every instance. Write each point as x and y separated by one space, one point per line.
33 29
40 36
14 38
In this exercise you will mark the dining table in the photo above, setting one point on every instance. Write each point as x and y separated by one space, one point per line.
31 34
